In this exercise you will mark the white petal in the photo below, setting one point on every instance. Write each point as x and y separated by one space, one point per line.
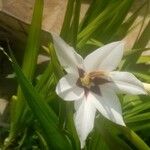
67 56
127 83
108 105
67 88
105 58
84 120
77 104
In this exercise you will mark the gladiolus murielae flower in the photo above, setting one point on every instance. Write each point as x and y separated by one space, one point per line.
92 84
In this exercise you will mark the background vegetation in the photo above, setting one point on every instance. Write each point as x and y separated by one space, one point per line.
39 119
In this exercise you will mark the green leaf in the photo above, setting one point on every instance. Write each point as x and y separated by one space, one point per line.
67 20
86 33
116 20
144 59
124 29
143 75
138 118
110 134
75 24
96 142
139 108
110 131
95 8
29 64
141 42
140 126
134 138
46 117
69 29
134 52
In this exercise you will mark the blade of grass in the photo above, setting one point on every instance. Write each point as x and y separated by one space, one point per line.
139 117
142 42
144 59
29 64
71 22
134 139
125 27
134 51
139 108
128 133
110 138
67 20
96 7
117 20
143 21
46 117
85 34
75 23
139 126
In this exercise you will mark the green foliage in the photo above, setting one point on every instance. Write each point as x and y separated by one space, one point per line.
46 117
30 59
38 108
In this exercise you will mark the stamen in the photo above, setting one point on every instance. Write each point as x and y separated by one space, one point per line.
96 74
86 81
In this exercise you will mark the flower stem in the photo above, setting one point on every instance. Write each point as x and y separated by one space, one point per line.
135 139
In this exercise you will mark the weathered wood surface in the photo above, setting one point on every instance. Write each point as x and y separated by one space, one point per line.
53 12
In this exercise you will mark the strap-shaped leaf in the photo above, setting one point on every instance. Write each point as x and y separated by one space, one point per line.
45 115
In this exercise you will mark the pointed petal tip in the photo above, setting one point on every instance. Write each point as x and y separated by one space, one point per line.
119 121
82 144
84 120
122 123
120 43
55 37
53 34
146 87
127 83
144 92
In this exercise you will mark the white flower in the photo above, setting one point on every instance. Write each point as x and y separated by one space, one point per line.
92 84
